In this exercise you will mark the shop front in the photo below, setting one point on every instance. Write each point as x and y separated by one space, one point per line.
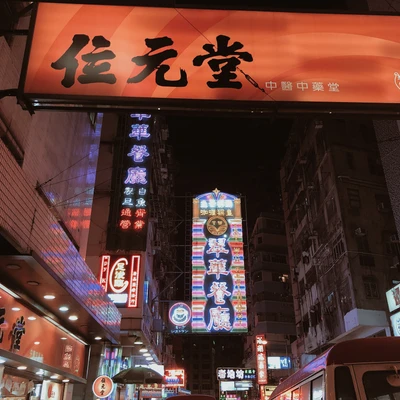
39 359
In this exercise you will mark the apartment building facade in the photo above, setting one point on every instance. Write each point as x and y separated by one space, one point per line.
340 231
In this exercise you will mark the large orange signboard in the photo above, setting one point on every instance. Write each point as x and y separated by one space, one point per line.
165 56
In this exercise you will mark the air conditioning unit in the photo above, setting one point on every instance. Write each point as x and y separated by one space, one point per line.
303 161
156 245
394 238
360 232
319 125
164 134
382 207
158 325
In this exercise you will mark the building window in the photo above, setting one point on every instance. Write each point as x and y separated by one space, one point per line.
350 160
302 289
382 202
338 248
306 323
366 260
258 277
371 287
8 18
374 166
277 258
354 198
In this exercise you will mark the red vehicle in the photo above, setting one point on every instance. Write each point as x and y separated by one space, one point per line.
359 369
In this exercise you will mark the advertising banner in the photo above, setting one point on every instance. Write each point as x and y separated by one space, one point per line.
393 298
102 55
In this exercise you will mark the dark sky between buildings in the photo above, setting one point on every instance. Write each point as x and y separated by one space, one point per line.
235 154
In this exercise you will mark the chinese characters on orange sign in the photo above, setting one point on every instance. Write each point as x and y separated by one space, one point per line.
168 54
67 356
223 57
119 277
261 354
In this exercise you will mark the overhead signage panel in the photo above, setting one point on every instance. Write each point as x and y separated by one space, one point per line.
100 55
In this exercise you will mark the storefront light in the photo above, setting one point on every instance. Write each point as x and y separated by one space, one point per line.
2 361
73 317
32 318
54 377
149 358
63 308
22 367
97 338
36 343
49 297
147 354
65 380
15 309
143 350
40 373
63 338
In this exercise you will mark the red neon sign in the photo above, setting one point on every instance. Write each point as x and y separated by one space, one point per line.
119 277
261 354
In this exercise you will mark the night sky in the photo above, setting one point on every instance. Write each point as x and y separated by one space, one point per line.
236 155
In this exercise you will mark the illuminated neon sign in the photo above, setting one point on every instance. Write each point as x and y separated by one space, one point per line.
236 374
179 317
133 211
119 277
218 274
174 378
261 354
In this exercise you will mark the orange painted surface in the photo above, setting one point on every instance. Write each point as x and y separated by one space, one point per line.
295 57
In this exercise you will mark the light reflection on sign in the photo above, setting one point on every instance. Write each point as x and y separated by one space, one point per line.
218 273
119 277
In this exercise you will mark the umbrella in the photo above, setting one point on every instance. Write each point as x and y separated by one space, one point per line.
137 375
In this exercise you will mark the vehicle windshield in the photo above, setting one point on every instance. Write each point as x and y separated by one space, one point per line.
377 387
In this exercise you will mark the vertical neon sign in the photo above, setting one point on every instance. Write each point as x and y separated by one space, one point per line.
119 277
261 354
218 274
134 183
